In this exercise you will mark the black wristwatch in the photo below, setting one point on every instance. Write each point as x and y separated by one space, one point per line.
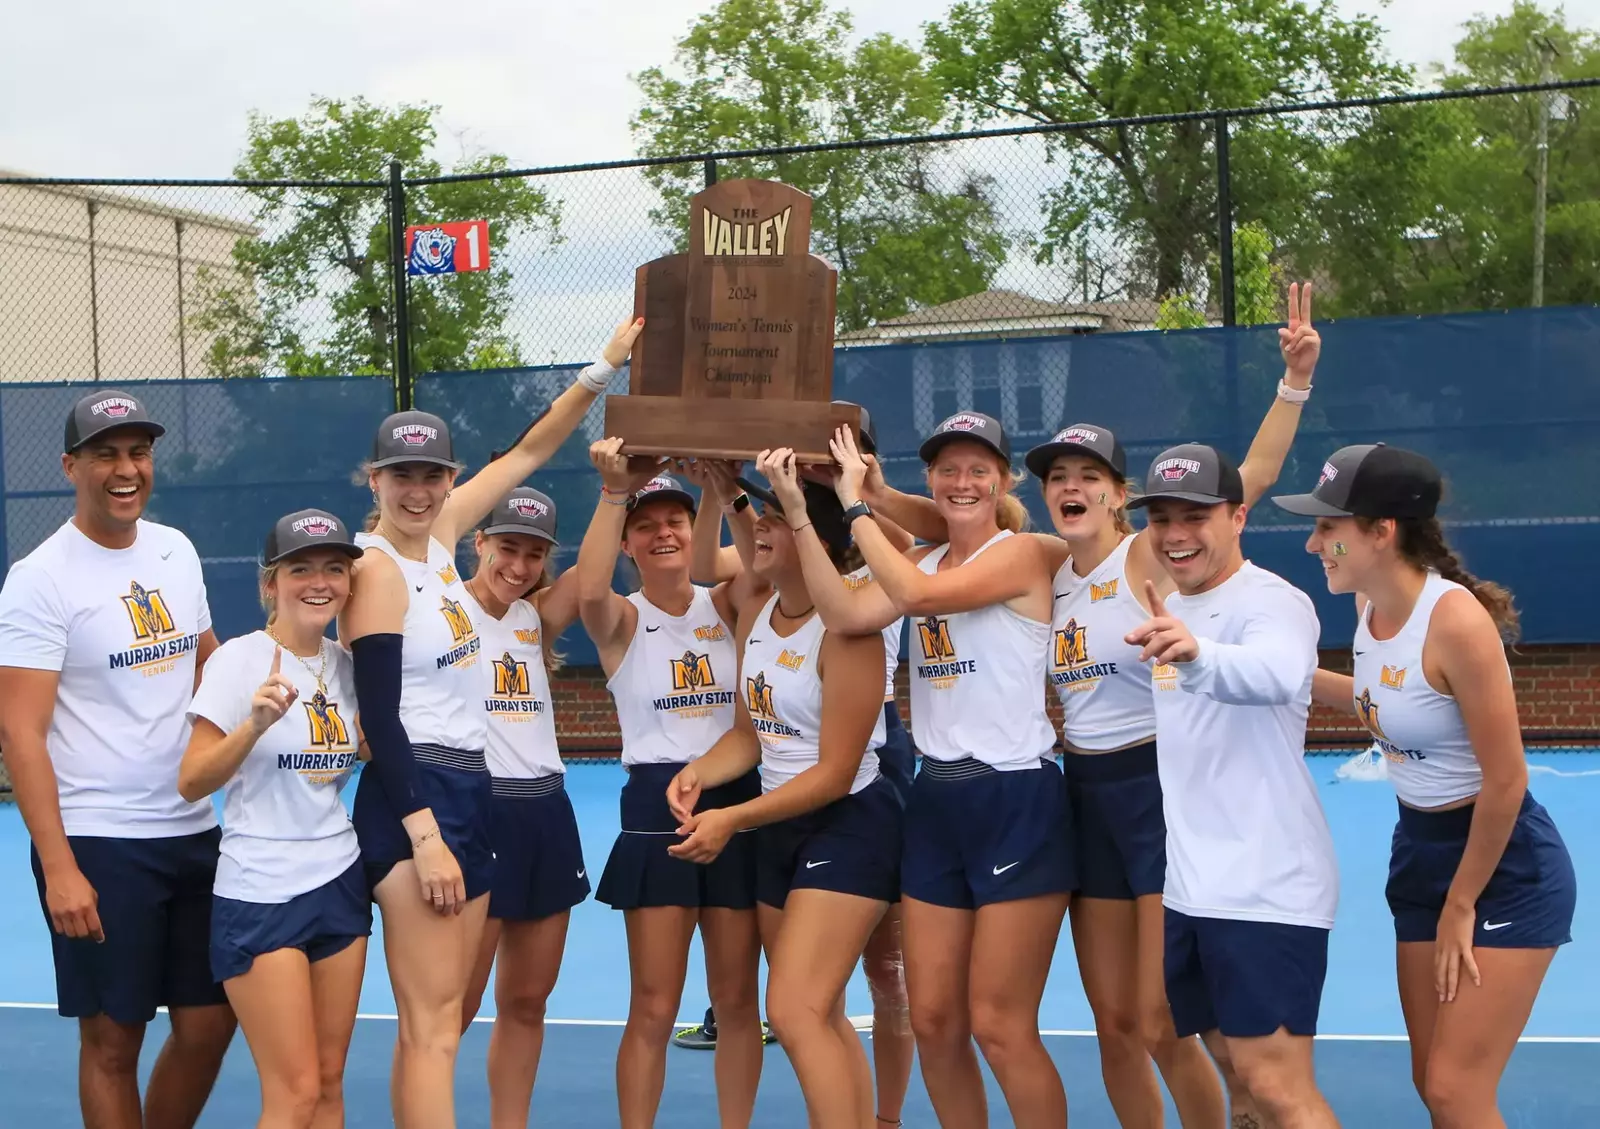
739 504
860 509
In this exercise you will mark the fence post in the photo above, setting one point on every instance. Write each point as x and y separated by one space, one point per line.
711 171
397 269
94 286
1225 223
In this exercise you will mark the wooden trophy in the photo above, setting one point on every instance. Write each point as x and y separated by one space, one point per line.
737 351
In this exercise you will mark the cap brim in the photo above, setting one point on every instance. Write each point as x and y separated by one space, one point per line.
768 500
155 429
932 445
435 460
1309 505
1039 459
350 549
522 529
1178 496
683 498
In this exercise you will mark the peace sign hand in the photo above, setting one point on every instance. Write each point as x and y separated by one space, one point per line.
1163 636
1299 342
273 697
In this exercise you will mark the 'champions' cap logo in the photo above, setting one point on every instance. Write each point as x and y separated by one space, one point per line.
115 407
658 484
963 422
313 526
1077 435
1329 473
415 434
530 508
1171 470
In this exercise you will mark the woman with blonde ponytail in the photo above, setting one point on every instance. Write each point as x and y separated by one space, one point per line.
987 865
1480 884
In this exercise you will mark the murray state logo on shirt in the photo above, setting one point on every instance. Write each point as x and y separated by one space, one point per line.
329 755
940 666
157 640
1071 663
513 698
694 687
465 651
763 715
1367 711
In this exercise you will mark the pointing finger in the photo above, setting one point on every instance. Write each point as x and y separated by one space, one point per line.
1158 609
277 661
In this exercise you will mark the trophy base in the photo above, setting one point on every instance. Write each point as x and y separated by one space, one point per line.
726 429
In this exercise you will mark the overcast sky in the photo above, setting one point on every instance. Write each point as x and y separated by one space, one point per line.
162 88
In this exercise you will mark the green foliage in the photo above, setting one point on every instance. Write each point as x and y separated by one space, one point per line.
765 73
325 251
1152 189
1431 208
1258 285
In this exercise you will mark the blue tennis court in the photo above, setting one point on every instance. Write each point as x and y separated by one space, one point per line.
1362 1058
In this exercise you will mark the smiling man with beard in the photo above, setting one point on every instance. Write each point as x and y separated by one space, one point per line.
1252 881
103 631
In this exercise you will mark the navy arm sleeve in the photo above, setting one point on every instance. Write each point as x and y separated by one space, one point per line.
377 674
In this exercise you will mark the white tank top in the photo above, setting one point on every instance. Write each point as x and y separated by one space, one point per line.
860 578
1106 700
440 702
783 692
515 690
1419 730
977 683
675 687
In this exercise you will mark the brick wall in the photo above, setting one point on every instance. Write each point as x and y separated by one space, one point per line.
1558 693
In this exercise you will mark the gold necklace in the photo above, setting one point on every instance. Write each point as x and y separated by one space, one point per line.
322 654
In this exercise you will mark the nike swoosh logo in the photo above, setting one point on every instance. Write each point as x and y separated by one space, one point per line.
1358 652
650 629
419 588
166 554
1487 928
1006 867
824 862
580 874
1062 595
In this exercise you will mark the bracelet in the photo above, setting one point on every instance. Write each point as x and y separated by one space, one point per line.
595 377
434 834
611 499
1293 395
798 528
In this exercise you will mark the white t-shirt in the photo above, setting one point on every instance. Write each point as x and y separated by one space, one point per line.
1246 835
121 626
284 829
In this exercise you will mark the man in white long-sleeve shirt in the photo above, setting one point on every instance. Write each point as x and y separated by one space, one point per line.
1252 881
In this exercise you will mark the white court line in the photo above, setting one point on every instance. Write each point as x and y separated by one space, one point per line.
864 1022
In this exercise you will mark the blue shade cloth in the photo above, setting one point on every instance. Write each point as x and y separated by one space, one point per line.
1508 405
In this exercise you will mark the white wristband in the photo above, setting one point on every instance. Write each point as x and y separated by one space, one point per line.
597 376
1293 395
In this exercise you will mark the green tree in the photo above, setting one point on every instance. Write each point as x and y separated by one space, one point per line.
1153 189
312 296
903 228
1431 209
1258 284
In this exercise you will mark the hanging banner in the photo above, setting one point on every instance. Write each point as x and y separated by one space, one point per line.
447 248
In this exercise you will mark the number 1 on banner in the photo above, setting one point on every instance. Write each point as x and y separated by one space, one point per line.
447 248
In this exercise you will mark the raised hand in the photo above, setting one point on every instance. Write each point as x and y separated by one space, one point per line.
273 697
1299 342
620 473
852 467
620 347
779 468
1163 636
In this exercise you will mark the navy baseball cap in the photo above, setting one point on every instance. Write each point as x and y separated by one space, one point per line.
1079 439
975 426
308 529
1371 480
867 435
524 510
1192 472
662 486
822 507
103 411
413 437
